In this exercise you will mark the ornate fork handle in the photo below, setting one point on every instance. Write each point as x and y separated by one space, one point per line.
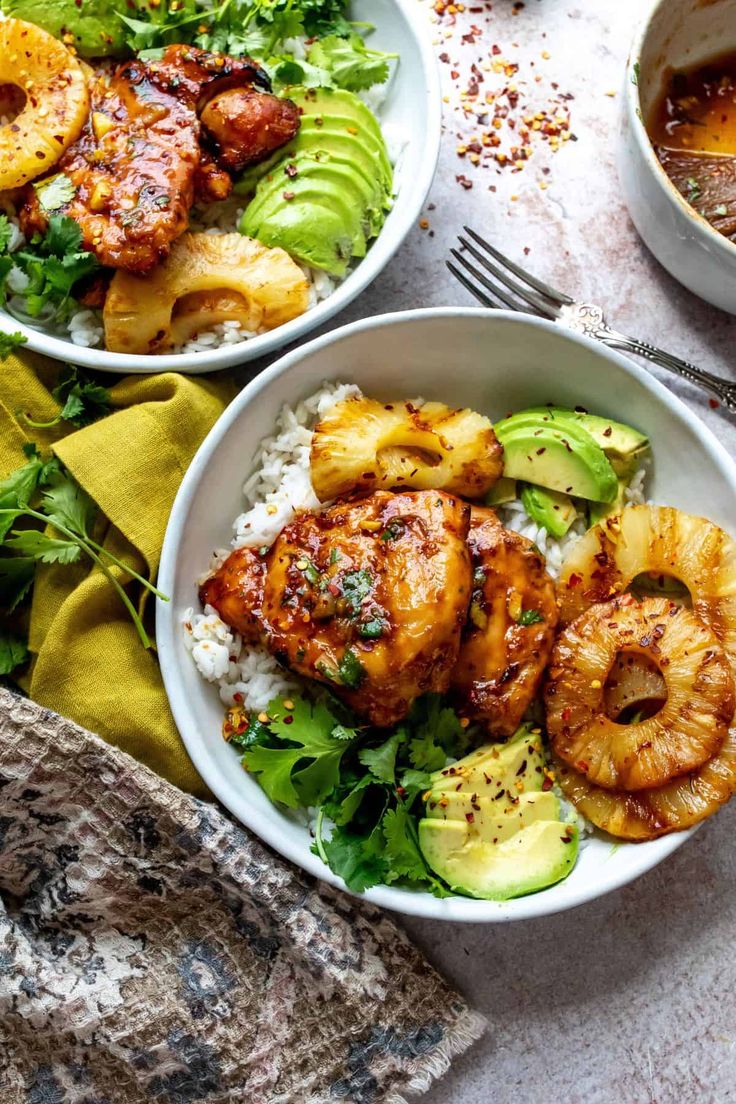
724 389
588 319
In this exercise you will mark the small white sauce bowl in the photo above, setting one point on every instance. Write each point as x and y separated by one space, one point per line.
676 34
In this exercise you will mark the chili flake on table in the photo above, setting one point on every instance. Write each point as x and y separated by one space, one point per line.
505 110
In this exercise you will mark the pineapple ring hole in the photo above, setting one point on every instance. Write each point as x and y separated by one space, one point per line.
656 585
409 455
13 100
635 689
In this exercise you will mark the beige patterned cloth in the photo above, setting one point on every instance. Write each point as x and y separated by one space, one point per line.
152 950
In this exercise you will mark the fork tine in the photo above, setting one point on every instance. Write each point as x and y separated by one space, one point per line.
512 304
479 295
559 297
538 303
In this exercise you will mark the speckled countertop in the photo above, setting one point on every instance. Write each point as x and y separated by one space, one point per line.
632 998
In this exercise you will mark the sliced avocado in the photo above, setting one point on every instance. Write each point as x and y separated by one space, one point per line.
95 28
597 511
494 821
501 492
326 103
559 456
512 768
328 191
624 446
554 511
531 859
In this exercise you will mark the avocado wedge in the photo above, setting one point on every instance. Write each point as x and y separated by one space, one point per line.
559 455
511 768
327 193
624 446
554 511
494 821
531 859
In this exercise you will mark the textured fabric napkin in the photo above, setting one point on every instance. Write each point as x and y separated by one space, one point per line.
153 951
88 663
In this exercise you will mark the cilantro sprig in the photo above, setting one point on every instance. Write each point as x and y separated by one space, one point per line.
366 784
50 264
81 400
42 493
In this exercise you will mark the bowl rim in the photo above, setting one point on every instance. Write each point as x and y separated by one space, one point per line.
639 131
453 908
381 251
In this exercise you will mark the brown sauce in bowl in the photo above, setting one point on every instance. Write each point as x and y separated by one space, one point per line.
693 130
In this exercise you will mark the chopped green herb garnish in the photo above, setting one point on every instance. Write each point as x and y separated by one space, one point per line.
393 530
9 342
351 670
356 586
373 629
529 617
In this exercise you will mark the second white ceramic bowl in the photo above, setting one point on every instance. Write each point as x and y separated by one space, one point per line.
411 112
677 34
493 362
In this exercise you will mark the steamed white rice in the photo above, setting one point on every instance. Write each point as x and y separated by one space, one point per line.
280 485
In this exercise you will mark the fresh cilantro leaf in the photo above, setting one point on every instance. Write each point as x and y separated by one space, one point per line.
529 617
425 753
287 71
343 803
325 17
55 192
373 629
305 768
350 63
256 733
17 489
413 782
29 542
356 586
16 579
6 232
13 651
67 505
357 858
53 264
402 854
83 401
9 342
438 733
381 761
350 670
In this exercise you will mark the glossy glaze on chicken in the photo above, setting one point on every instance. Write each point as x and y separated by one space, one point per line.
369 597
159 135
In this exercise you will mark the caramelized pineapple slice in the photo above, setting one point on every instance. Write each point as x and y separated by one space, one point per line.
56 101
206 279
689 728
656 540
647 814
364 445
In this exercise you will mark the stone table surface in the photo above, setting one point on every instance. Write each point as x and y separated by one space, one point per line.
632 998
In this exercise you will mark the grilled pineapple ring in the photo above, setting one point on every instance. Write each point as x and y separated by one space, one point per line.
662 541
260 287
688 729
363 445
56 107
647 814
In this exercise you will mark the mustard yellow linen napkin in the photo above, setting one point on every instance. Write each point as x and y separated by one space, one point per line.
88 663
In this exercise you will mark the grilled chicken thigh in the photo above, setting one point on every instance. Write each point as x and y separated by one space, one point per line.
369 596
510 630
143 154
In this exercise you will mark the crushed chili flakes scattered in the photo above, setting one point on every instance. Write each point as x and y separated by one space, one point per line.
505 112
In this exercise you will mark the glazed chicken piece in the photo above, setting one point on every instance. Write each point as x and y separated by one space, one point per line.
369 597
139 161
510 630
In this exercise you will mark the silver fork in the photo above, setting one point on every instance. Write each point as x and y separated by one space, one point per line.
529 295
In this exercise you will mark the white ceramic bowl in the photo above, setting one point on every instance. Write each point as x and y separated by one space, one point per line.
493 362
412 109
676 34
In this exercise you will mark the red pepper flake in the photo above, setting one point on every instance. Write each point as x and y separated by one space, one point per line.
470 817
464 182
546 785
289 195
291 170
713 404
